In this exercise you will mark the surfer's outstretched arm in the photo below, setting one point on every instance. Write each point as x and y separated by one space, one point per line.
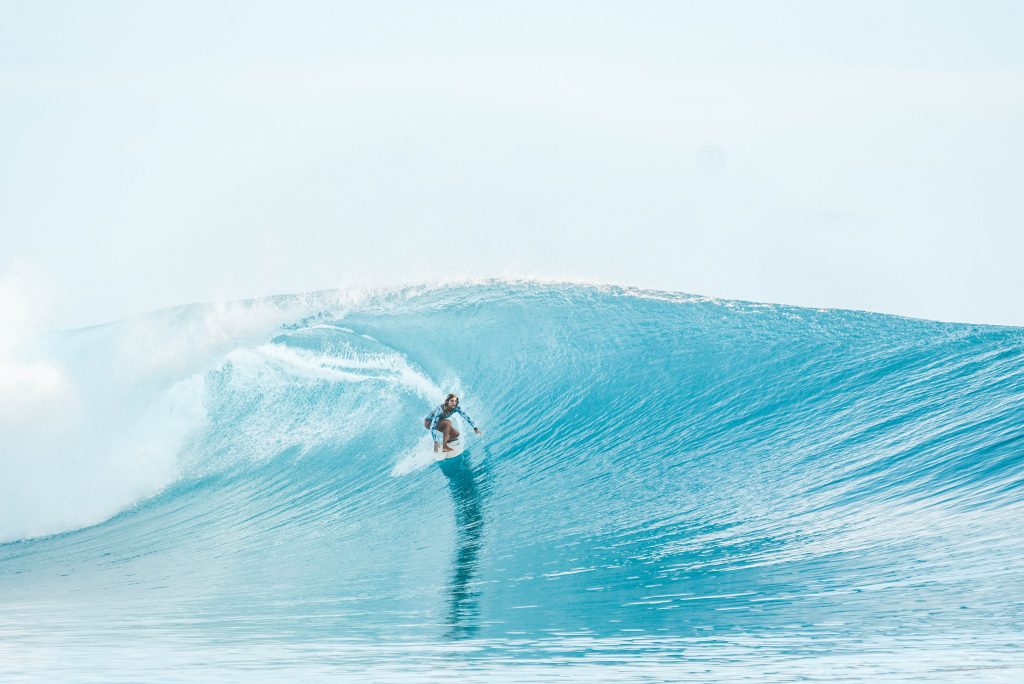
468 420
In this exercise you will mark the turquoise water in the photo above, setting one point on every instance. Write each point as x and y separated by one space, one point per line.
668 488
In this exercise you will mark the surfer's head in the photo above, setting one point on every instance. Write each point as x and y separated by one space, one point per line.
451 401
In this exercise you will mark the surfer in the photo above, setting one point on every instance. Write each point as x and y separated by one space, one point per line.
440 425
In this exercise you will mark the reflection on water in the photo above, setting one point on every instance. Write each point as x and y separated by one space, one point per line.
463 597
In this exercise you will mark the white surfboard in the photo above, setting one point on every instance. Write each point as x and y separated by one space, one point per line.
457 449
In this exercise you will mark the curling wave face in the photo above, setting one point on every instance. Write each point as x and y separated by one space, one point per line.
667 486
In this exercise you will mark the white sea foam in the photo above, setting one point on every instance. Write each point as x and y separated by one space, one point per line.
108 416
280 398
415 458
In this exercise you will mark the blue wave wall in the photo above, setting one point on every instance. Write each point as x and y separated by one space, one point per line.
663 479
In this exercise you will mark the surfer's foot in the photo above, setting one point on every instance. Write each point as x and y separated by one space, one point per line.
447 448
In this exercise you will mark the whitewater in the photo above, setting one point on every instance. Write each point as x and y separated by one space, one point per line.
668 488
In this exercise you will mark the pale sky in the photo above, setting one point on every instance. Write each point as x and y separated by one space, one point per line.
865 155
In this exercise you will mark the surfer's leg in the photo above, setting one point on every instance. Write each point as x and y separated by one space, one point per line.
444 426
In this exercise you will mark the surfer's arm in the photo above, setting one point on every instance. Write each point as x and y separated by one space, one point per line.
434 417
468 419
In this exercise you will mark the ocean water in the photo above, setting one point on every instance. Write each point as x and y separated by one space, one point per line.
668 488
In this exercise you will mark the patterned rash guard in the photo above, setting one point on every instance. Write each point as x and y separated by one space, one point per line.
439 413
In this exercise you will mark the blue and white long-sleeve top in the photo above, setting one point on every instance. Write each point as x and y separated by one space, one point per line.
439 413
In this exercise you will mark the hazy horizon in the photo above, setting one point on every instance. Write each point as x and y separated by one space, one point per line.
855 155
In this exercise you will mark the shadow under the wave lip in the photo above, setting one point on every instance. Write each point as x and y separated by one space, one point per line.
463 599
